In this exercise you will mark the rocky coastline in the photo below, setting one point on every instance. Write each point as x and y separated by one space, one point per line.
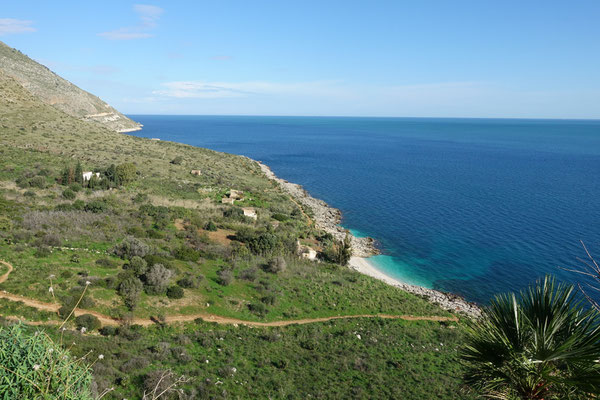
328 219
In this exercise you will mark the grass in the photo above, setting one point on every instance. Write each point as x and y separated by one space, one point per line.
340 359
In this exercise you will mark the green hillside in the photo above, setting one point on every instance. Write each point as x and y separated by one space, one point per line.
149 243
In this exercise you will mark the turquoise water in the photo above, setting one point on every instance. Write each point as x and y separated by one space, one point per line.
470 206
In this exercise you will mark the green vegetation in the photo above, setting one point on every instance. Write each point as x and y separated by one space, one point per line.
149 239
541 344
362 358
33 366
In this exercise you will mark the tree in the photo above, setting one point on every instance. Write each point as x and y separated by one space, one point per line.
130 289
539 344
32 366
78 178
138 265
131 247
68 175
94 182
339 252
125 173
157 279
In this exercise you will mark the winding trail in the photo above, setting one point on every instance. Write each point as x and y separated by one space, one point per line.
108 320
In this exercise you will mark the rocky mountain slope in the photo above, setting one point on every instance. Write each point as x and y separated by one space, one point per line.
60 93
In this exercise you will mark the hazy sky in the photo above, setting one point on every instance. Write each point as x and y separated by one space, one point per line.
382 58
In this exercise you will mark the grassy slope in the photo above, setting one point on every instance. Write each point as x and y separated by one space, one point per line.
37 139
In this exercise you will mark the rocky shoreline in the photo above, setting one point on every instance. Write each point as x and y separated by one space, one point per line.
325 217
328 218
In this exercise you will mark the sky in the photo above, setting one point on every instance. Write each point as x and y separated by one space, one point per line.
521 59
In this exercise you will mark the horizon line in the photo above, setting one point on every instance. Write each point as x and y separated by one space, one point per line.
365 116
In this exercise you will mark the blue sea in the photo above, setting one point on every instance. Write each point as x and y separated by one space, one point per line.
470 206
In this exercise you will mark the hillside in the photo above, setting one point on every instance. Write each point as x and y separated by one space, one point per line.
53 90
148 254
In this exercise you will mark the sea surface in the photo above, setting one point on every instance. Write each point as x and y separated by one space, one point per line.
470 206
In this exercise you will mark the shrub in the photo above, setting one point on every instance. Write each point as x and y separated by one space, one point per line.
34 367
42 251
186 253
175 292
96 207
159 381
258 308
131 247
276 265
76 187
108 330
69 194
280 217
29 193
188 282
211 226
249 274
78 205
177 160
51 239
38 182
224 277
88 321
157 279
130 289
137 265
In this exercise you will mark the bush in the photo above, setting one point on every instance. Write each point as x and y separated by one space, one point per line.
29 193
69 194
280 217
108 330
249 274
42 251
188 282
34 367
96 207
177 160
186 253
224 277
137 265
157 279
76 187
211 227
130 289
131 247
159 381
276 265
38 182
88 321
175 292
258 308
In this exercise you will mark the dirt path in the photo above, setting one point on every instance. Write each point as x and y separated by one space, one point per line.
108 320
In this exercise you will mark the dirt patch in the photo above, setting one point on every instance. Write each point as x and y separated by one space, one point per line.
220 236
